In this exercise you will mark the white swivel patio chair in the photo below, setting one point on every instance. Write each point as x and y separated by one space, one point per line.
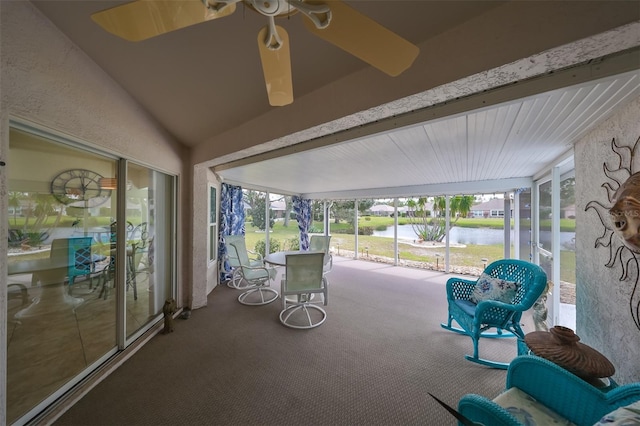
249 275
322 243
235 245
304 277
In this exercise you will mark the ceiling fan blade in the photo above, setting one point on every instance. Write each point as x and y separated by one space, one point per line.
366 39
143 19
273 43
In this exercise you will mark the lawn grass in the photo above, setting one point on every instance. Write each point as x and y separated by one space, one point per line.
468 256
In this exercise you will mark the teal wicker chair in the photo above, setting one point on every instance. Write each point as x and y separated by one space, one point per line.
537 388
492 306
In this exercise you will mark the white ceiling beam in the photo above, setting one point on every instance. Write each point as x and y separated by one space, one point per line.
453 188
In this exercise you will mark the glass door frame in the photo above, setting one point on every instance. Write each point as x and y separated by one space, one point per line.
553 252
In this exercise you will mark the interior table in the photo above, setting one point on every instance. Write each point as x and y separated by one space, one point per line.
54 294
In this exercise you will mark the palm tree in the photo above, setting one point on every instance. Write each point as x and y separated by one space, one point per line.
434 229
14 201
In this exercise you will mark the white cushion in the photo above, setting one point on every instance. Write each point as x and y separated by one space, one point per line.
623 416
527 410
490 288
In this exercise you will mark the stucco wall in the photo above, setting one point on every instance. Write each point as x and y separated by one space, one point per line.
603 318
48 81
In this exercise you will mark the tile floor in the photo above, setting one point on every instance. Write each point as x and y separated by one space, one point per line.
55 336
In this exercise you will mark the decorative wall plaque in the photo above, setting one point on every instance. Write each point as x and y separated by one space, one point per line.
621 220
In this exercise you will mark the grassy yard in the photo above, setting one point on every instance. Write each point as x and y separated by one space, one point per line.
470 256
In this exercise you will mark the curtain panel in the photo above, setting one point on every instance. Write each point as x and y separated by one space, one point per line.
231 223
302 209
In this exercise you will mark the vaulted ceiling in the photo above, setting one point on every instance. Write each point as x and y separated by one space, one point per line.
450 119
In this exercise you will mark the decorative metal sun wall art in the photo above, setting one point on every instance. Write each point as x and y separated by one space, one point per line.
622 220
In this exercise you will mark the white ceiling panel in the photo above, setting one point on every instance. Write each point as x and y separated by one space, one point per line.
513 140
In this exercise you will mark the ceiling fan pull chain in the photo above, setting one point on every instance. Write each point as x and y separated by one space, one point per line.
272 39
319 14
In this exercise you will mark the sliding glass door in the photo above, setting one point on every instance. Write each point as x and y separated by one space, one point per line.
73 302
150 220
554 240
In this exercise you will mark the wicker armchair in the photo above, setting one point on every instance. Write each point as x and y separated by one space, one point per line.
497 308
540 392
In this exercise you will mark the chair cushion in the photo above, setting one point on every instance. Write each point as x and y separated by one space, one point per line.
467 306
627 416
490 288
527 410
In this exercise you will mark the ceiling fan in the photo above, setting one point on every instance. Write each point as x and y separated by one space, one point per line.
331 20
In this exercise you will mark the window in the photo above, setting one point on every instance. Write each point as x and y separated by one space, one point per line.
213 228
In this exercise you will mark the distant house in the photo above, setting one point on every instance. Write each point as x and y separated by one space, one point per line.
410 211
279 207
491 208
568 212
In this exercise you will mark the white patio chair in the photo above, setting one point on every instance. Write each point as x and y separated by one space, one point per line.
250 275
304 277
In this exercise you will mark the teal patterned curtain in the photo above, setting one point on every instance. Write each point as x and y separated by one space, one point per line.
231 223
302 209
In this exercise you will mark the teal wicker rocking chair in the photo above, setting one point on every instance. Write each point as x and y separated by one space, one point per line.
506 289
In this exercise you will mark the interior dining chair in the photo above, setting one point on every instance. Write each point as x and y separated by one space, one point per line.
250 275
304 277
137 248
322 243
109 271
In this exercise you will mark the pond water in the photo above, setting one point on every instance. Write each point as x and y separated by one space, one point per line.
477 236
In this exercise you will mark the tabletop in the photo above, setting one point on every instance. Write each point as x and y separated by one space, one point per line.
279 258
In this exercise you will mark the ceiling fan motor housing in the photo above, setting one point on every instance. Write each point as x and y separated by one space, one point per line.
272 7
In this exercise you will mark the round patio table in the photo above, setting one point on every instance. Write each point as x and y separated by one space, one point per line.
279 258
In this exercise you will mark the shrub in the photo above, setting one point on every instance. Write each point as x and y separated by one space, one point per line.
293 243
366 230
274 246
362 230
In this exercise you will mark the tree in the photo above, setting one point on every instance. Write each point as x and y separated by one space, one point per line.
432 227
461 205
251 197
343 210
258 213
288 202
567 192
14 201
423 225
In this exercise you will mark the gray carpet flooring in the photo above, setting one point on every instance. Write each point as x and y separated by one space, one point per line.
373 362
